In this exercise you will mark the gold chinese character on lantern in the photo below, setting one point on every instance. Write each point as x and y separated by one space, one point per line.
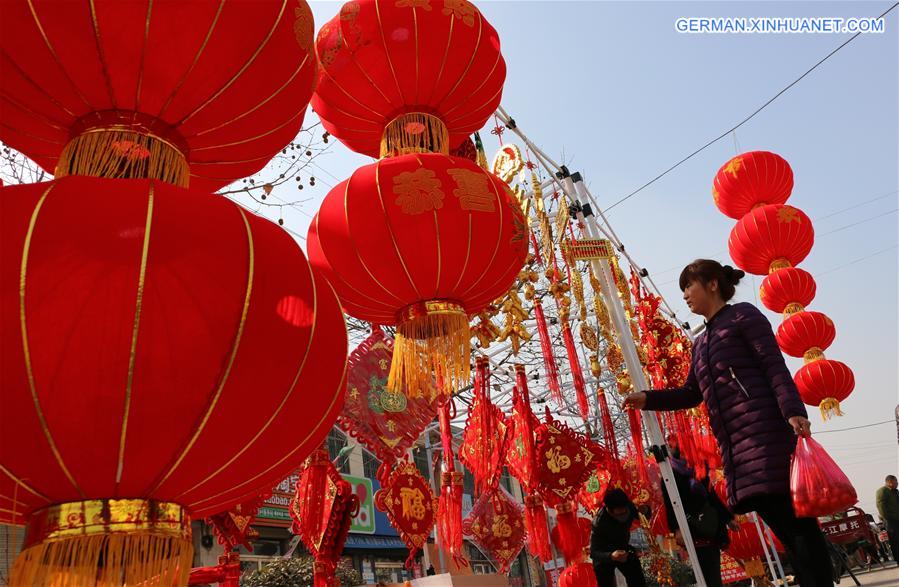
473 190
418 191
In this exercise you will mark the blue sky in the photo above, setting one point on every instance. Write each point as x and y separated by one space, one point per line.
615 91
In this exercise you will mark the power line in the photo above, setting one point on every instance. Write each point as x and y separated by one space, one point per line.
843 266
742 122
860 222
832 214
856 427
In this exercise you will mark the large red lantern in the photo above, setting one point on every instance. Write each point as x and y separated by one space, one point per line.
788 290
825 383
137 320
420 241
203 90
749 180
770 238
806 334
407 73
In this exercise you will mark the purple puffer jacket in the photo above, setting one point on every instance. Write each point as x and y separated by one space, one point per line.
739 371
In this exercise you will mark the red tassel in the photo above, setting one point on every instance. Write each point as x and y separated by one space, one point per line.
323 574
522 405
549 359
315 477
637 438
608 429
538 528
570 538
449 517
580 387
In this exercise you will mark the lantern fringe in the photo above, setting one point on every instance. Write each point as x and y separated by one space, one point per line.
830 407
429 347
414 132
538 528
122 153
570 538
105 560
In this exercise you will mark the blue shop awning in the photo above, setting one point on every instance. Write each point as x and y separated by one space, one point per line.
370 541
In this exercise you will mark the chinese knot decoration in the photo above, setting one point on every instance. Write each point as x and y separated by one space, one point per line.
770 238
565 459
409 503
322 511
386 422
496 526
485 433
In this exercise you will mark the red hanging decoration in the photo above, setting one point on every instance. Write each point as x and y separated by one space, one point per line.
484 437
410 505
496 526
771 238
744 542
577 376
205 92
520 452
233 528
322 510
750 180
564 461
227 573
386 422
594 490
449 511
788 290
568 535
579 575
825 383
538 528
636 428
807 335
549 359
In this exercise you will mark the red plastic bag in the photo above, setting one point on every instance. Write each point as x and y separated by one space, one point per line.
818 485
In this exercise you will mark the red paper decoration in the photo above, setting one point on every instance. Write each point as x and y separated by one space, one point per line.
564 461
409 503
233 527
770 238
133 339
573 547
386 422
484 438
520 451
749 180
496 526
422 241
594 490
382 59
825 383
449 512
788 290
806 334
218 86
322 511
745 543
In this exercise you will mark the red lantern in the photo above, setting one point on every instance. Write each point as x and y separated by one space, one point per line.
579 575
788 290
422 241
825 383
407 73
132 340
806 334
770 238
167 90
749 180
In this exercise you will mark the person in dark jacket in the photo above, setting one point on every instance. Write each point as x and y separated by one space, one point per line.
707 517
610 546
888 508
754 409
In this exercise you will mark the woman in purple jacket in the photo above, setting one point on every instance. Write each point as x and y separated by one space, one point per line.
754 409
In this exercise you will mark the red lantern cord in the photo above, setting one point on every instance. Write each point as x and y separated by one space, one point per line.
549 359
637 439
580 386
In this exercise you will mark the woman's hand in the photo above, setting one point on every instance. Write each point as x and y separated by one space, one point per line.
635 401
619 556
801 426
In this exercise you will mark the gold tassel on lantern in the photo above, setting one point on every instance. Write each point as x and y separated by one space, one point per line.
830 407
432 344
414 132
125 146
106 543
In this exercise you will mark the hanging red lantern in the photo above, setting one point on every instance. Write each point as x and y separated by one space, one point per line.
788 290
388 423
770 238
132 341
825 383
420 241
407 73
752 179
807 335
126 89
579 575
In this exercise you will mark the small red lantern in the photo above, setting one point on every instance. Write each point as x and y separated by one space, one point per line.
807 335
421 241
770 238
825 383
417 74
199 91
788 290
749 180
579 575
